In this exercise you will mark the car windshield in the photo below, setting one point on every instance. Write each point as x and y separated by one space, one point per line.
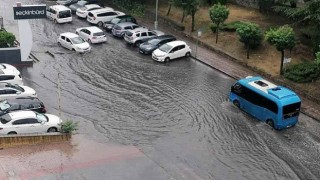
154 41
15 86
5 118
115 20
98 34
4 105
3 121
64 14
165 48
84 8
42 117
77 40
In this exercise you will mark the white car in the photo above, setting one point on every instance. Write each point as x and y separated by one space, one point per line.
10 76
73 42
8 90
83 12
26 121
171 50
59 14
101 16
8 66
92 34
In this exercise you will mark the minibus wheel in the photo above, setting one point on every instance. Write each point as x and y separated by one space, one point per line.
270 123
236 103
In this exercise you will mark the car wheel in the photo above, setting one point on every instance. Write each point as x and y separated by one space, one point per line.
236 103
77 32
59 44
52 129
270 123
100 24
12 132
55 21
188 54
73 49
122 36
137 43
167 59
89 41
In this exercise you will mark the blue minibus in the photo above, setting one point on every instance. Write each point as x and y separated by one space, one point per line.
276 105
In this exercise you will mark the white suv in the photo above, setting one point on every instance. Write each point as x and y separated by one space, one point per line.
92 34
140 35
10 76
100 16
171 50
8 90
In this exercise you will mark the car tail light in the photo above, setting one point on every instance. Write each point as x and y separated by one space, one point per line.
1 128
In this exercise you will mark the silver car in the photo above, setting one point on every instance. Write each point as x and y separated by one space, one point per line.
140 35
120 29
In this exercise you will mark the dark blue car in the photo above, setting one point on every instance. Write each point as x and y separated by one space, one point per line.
154 43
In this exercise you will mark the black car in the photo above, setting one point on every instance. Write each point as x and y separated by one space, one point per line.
67 2
124 18
21 103
152 44
81 4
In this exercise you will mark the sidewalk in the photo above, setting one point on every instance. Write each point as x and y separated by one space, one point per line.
224 63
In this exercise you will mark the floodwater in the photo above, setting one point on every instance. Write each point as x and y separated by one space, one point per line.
176 113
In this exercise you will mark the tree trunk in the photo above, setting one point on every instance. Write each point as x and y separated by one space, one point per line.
281 65
183 15
217 32
193 23
248 49
168 12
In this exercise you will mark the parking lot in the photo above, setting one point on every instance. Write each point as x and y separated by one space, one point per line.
173 118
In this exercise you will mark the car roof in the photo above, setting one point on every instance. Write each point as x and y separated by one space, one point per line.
60 7
126 24
166 36
176 43
19 100
69 34
140 29
106 9
92 5
7 72
93 29
21 114
124 16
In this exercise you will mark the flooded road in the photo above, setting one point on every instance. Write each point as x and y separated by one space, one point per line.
176 113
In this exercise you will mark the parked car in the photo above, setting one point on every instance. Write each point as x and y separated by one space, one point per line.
154 43
81 4
10 76
21 103
59 14
83 12
140 35
66 2
120 29
92 34
8 66
73 42
25 122
171 50
120 19
100 16
8 90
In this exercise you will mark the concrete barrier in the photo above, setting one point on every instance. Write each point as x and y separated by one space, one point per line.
7 141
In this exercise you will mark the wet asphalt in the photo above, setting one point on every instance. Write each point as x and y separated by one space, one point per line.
176 114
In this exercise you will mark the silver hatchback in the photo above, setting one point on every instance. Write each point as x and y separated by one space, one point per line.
120 29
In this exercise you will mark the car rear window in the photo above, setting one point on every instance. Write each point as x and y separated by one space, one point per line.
64 14
116 27
98 34
128 33
90 14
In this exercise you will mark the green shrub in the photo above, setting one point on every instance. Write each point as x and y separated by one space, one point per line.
131 6
302 73
69 126
230 27
6 39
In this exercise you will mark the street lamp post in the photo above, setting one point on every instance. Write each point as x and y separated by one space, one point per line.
198 36
156 22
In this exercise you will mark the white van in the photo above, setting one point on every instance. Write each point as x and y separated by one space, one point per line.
99 16
59 14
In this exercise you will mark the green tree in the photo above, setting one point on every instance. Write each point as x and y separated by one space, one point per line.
6 39
282 38
218 15
191 9
308 16
170 2
249 34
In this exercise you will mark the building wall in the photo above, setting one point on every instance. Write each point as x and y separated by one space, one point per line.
10 55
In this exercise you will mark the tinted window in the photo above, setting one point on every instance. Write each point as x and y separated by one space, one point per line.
98 34
144 34
90 14
291 110
6 77
117 27
64 14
